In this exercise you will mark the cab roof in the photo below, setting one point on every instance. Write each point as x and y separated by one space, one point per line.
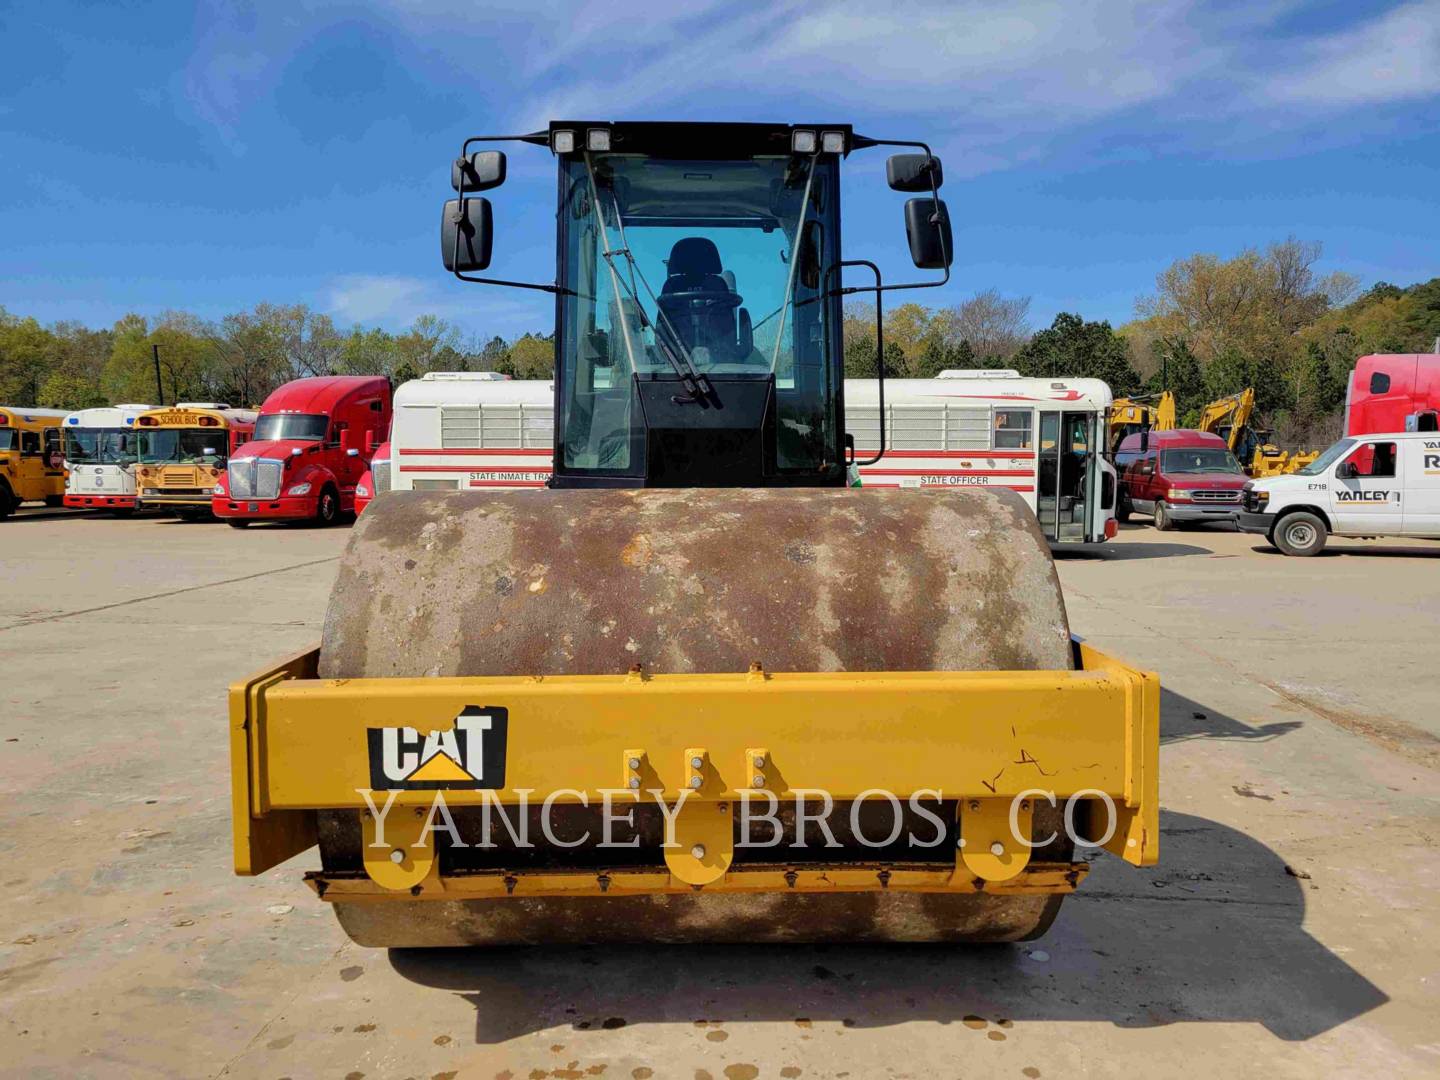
323 393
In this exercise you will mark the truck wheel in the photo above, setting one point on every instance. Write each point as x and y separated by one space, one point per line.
8 503
327 509
1163 521
1123 509
237 523
1300 533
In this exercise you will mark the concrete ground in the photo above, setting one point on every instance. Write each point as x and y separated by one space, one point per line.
1288 931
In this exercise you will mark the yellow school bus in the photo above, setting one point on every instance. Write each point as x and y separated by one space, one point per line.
183 449
32 463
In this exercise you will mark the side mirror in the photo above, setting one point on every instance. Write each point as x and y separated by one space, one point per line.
1145 441
209 451
480 171
911 172
466 232
344 439
371 442
927 226
1346 471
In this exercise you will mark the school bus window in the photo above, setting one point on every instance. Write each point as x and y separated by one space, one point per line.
1013 429
29 443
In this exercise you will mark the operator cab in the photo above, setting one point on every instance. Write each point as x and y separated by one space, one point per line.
698 334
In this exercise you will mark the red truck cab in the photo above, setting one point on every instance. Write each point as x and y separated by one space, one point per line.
1393 392
313 440
1178 476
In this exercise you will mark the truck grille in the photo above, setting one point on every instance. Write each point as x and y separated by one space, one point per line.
1217 496
177 477
380 473
255 478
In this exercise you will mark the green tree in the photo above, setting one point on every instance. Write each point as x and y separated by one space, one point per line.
1177 370
1233 371
531 356
62 391
1072 348
860 358
28 353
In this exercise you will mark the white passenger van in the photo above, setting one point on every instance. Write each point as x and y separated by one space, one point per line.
1366 485
1038 437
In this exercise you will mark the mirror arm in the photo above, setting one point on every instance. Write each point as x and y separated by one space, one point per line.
541 138
877 289
860 142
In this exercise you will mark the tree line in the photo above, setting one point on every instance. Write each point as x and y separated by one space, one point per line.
1211 327
239 359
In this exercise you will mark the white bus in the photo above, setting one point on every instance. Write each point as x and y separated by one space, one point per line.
1037 437
100 449
1041 438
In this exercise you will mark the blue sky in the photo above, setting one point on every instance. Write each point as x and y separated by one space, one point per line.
208 157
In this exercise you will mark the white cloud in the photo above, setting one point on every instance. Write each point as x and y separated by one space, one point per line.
1396 57
378 298
395 302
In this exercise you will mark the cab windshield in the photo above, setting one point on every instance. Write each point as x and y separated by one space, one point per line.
179 446
299 427
9 438
1328 458
694 268
100 446
1200 459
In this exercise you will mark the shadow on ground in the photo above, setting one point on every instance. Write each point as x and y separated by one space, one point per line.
1337 550
1215 934
1120 551
1182 720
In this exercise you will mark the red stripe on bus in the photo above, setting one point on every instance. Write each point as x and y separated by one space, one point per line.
507 483
882 471
1025 454
481 451
1007 487
472 468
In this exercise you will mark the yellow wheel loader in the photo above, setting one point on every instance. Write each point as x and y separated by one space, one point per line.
698 688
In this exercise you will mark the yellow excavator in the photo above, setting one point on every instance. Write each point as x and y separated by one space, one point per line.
1131 415
1230 418
698 688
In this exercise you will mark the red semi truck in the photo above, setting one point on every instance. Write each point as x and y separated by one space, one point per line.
1393 392
313 440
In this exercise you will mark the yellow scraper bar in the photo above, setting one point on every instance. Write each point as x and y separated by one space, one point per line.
299 744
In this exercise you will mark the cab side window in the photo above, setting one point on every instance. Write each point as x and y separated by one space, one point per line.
1374 460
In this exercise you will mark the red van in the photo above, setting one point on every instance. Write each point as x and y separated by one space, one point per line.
313 440
1178 476
1393 392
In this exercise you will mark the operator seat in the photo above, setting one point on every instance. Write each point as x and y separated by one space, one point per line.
697 300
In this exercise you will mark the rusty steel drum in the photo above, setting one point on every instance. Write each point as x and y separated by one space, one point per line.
693 580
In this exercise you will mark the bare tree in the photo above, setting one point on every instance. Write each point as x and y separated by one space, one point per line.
994 325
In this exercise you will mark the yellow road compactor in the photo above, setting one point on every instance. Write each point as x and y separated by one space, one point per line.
697 687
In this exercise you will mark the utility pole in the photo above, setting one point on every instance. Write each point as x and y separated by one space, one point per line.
159 386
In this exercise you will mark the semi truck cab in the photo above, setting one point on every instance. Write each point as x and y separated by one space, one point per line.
312 442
